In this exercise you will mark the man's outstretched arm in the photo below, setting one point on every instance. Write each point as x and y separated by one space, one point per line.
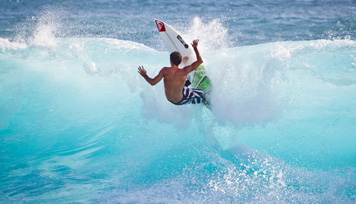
151 81
199 60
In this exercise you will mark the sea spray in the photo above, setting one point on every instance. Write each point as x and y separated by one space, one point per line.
106 128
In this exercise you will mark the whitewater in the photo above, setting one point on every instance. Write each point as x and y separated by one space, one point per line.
79 124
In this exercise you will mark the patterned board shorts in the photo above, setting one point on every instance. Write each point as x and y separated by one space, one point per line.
191 96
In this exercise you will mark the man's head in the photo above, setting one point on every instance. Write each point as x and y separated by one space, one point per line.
176 58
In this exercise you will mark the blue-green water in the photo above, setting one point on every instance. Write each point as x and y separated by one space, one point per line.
78 123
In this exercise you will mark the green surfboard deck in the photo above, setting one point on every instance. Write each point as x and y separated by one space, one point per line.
200 76
202 81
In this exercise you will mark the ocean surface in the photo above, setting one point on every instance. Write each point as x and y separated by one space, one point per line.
78 124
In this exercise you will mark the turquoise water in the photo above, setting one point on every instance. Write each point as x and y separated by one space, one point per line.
78 123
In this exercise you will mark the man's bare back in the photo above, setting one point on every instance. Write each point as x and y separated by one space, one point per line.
174 80
174 77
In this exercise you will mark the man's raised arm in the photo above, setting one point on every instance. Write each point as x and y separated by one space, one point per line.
199 61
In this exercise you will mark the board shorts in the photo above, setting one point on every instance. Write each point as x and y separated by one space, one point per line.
191 96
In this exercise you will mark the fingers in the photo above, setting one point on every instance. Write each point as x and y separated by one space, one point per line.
141 70
195 43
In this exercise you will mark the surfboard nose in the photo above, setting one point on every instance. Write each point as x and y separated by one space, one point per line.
160 25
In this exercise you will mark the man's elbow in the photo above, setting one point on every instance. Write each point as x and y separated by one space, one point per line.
200 61
152 83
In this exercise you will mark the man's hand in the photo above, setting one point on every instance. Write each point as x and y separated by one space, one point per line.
195 43
151 81
142 71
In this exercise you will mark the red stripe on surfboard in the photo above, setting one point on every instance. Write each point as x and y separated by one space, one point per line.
160 26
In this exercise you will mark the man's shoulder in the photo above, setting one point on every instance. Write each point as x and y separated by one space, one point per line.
164 69
187 69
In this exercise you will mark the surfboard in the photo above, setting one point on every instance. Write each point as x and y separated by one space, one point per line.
175 42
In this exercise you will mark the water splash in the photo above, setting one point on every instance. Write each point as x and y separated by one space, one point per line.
274 123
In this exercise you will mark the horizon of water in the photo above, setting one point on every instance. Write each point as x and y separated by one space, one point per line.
78 123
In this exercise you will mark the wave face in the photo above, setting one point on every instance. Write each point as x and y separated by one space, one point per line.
77 123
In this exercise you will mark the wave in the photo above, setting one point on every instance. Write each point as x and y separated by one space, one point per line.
75 112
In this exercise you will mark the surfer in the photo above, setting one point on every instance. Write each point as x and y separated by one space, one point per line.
176 89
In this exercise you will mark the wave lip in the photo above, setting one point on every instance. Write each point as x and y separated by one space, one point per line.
79 111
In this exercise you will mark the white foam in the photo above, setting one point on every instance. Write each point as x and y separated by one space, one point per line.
7 44
212 35
46 29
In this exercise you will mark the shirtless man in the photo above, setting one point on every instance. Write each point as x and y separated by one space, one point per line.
175 78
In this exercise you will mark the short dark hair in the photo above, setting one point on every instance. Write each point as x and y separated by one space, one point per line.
176 58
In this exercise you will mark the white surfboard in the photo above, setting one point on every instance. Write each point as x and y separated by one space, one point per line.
175 42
